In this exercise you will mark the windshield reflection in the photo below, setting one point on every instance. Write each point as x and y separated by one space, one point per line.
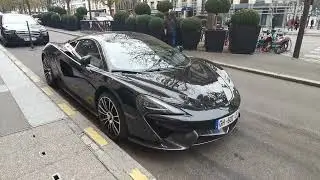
140 53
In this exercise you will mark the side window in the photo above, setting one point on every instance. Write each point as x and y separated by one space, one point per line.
88 47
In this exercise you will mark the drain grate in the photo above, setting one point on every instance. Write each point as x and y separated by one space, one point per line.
43 153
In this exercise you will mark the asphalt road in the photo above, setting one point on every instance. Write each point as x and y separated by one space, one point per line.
278 136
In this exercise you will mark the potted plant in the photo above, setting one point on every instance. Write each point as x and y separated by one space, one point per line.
131 23
244 31
191 31
214 38
156 27
142 23
119 21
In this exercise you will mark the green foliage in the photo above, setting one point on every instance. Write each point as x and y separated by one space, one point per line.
203 22
55 20
160 15
164 6
156 24
69 22
57 9
248 17
81 12
142 8
46 18
131 23
143 20
120 17
217 6
191 24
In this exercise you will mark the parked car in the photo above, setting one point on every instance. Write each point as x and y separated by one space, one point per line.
142 89
14 30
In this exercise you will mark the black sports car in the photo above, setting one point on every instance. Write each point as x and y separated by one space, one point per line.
14 30
143 89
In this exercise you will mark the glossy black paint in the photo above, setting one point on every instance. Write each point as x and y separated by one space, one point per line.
196 88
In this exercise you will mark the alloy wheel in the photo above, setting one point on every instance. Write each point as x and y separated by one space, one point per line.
47 71
109 116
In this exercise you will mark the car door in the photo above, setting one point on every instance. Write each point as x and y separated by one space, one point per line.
85 78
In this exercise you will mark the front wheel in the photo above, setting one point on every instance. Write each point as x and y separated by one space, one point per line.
111 117
47 70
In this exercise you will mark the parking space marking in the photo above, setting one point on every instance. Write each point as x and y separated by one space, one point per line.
94 135
47 90
136 174
67 109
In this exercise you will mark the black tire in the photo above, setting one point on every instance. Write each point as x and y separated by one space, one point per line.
111 118
48 73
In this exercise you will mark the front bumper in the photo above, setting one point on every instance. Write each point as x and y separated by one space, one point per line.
19 40
175 135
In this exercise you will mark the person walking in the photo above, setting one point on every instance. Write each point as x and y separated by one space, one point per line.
296 24
312 22
170 27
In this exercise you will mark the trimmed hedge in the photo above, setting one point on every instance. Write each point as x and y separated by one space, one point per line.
120 17
191 24
247 17
142 8
131 23
142 23
160 15
56 20
57 9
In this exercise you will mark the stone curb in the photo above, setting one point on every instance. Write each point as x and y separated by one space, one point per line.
272 74
120 164
247 69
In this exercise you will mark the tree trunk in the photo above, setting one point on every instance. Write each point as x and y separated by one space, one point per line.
28 6
211 22
109 6
302 27
68 7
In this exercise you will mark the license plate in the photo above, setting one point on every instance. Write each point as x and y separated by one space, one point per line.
28 39
226 121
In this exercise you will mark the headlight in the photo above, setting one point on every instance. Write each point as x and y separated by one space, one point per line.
9 31
44 31
149 104
224 75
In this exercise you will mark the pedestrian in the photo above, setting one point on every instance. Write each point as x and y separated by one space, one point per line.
296 24
312 22
170 28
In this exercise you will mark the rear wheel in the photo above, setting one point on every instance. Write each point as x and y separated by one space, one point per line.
111 117
47 70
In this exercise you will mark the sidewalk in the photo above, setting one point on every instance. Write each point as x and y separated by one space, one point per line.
269 64
41 140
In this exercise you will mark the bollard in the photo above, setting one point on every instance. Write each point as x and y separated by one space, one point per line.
30 38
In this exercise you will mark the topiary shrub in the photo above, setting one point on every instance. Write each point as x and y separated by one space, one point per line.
244 31
215 7
55 20
57 9
69 22
191 31
46 18
142 23
131 23
120 17
247 17
160 15
156 27
191 24
164 6
142 8
81 12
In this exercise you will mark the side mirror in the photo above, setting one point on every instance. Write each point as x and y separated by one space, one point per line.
180 48
85 60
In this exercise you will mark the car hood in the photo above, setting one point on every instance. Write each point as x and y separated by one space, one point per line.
23 27
198 86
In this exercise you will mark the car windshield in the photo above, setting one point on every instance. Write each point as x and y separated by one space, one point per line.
17 19
139 53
